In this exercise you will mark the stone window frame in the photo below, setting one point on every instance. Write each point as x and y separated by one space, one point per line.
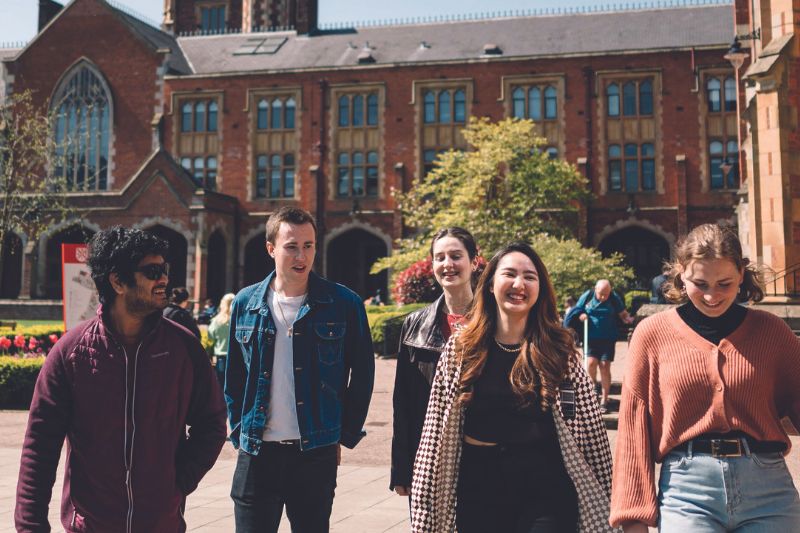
254 95
418 87
509 83
727 116
351 90
177 101
602 79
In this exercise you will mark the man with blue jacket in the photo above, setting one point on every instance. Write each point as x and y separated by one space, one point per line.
298 384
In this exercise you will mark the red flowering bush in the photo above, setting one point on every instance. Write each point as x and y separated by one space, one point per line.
416 284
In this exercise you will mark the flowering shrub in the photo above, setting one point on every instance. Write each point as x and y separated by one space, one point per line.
417 284
21 345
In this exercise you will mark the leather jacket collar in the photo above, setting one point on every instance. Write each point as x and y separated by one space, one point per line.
424 330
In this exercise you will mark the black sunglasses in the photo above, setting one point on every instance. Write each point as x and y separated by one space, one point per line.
154 271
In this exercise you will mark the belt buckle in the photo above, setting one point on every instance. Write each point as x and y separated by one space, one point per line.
716 447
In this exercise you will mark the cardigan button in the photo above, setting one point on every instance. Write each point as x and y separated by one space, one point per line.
719 388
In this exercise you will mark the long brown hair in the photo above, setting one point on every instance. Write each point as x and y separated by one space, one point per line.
546 347
712 241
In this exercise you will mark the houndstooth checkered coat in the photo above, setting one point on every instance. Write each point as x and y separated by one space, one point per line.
583 440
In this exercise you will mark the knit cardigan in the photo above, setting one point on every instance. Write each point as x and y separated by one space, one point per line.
678 386
583 441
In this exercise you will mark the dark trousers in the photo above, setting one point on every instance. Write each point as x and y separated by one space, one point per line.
281 474
514 489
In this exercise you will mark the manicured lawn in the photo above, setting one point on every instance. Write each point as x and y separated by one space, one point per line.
27 323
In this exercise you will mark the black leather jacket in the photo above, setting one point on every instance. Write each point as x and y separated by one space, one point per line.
421 343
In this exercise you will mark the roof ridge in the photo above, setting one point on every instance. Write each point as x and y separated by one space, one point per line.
611 8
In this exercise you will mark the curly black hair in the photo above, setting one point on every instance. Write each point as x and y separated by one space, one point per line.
119 250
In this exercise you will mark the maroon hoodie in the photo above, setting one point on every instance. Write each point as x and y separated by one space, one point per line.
130 463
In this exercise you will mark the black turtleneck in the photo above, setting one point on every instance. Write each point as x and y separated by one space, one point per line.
713 329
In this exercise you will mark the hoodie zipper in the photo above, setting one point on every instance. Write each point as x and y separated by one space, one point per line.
129 451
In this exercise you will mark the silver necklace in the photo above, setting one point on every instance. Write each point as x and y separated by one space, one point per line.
290 327
509 350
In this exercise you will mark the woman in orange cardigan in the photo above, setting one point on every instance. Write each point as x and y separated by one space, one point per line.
705 388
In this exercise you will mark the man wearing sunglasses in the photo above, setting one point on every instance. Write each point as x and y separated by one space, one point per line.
122 389
298 384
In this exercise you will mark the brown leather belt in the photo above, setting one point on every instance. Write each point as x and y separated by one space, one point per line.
731 447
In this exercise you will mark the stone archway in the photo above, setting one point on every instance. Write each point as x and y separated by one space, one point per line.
52 286
645 251
11 282
257 262
350 256
176 255
217 260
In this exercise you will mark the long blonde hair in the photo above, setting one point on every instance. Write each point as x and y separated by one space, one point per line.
223 316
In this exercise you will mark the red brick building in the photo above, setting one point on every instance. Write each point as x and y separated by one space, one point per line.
238 107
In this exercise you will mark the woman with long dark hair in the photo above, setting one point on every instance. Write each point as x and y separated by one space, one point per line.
454 258
513 440
706 386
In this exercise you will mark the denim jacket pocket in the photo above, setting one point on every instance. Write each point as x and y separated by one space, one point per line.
244 336
330 336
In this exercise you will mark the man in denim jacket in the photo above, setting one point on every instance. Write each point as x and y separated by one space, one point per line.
298 384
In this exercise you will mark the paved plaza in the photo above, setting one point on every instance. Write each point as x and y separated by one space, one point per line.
363 502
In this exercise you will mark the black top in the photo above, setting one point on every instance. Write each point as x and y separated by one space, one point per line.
712 329
497 414
183 317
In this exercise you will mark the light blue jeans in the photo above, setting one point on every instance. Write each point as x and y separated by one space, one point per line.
750 494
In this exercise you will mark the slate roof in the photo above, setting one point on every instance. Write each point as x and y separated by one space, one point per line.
705 26
176 63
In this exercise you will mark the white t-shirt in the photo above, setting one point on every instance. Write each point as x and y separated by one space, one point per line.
282 413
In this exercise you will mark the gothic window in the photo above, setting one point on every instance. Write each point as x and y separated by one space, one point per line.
83 129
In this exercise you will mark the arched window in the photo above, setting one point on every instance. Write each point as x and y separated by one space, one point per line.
612 95
288 121
372 110
550 101
713 95
459 106
212 116
83 129
277 114
186 117
646 98
444 107
262 120
200 116
344 111
518 103
730 94
535 103
429 100
358 110
629 99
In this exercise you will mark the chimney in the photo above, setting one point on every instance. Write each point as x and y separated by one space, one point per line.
48 9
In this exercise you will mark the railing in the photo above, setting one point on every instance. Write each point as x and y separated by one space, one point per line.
791 282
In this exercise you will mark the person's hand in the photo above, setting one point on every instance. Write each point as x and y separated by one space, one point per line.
583 317
629 320
401 491
338 454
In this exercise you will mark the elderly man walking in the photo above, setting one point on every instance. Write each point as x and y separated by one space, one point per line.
601 307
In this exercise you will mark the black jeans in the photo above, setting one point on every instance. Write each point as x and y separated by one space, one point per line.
518 488
281 474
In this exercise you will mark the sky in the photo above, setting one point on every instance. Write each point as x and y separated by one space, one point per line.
18 17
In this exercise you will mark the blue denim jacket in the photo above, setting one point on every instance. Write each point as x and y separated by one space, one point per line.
333 357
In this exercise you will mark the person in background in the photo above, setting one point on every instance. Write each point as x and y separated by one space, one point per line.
706 386
657 287
208 312
601 307
121 388
454 257
513 440
219 331
178 310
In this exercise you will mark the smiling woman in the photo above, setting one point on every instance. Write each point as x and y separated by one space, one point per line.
723 374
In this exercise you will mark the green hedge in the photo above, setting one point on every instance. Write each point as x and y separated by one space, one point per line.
385 323
17 379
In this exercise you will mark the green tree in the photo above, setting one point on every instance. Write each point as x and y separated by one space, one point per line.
505 188
31 197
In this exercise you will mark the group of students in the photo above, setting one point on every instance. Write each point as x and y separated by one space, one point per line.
497 426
